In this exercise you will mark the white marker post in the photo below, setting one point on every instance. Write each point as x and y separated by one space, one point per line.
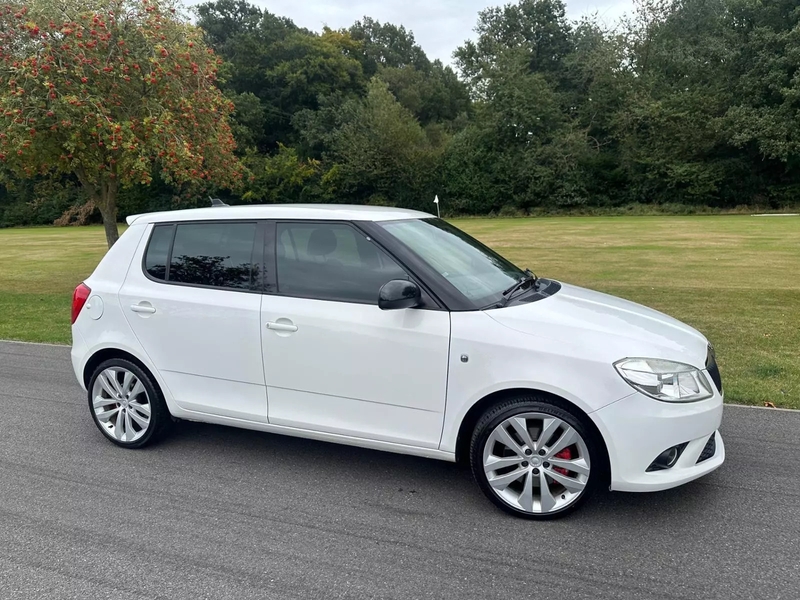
436 202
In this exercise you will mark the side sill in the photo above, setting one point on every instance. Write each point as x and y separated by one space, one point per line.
334 438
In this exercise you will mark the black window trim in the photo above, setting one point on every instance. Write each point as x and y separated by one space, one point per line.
438 293
430 299
256 283
269 281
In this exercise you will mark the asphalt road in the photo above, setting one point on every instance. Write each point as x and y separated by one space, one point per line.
215 512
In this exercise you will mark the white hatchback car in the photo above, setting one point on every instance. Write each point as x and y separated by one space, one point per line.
391 329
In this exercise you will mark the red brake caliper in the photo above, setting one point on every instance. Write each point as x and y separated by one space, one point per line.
566 454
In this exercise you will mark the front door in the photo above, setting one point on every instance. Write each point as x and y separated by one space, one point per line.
335 362
192 297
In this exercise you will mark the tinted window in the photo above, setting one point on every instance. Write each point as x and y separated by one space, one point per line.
331 261
155 262
213 254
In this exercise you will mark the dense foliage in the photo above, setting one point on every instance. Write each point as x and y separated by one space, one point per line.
687 102
106 91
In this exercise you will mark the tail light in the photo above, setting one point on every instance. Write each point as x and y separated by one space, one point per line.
79 297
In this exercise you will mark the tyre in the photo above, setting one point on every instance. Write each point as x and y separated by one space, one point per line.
126 405
533 459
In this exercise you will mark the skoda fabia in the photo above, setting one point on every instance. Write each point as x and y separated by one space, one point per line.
391 329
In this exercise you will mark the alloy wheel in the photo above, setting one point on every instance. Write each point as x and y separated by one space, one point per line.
121 404
536 463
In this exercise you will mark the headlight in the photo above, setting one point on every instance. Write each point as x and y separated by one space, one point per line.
665 380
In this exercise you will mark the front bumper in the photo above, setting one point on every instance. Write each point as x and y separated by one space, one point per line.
637 429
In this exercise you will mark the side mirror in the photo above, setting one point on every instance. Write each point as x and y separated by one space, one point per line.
399 293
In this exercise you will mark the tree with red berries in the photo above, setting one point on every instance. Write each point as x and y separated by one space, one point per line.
108 91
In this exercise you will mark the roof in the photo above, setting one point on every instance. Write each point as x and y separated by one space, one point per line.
313 212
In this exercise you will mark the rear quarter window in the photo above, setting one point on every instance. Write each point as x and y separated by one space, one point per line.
155 261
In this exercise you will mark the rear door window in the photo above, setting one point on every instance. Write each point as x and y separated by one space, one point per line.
204 254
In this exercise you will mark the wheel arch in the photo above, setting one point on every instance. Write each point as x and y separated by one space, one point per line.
105 354
159 406
475 412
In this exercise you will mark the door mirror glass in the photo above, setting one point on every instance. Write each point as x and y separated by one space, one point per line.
399 293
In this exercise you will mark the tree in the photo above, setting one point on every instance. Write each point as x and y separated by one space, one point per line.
387 45
521 150
380 152
537 27
687 102
764 43
525 145
431 91
281 177
249 120
108 91
308 67
225 20
673 142
287 68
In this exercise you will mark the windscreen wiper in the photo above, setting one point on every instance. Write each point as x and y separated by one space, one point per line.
509 293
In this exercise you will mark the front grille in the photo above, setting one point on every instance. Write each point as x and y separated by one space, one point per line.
713 369
709 450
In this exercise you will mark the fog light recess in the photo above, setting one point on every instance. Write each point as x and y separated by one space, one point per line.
667 459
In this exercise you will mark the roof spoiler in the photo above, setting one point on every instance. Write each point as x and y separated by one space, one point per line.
215 202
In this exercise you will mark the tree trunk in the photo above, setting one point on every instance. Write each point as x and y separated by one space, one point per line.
110 224
103 195
108 209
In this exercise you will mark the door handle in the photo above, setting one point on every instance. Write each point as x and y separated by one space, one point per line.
284 325
143 308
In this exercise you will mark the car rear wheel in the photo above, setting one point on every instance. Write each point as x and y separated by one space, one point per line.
534 459
127 407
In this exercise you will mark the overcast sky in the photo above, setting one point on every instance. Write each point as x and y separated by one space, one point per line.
439 26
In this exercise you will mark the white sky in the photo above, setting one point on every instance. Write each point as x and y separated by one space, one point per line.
439 26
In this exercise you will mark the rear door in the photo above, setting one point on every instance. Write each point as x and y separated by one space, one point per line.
192 297
334 361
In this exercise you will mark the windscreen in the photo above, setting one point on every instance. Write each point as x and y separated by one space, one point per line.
479 273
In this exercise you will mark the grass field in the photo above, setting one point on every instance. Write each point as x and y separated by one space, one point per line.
736 278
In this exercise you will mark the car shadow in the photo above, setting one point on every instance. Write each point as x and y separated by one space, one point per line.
402 483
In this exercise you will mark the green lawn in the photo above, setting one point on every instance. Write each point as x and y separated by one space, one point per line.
736 278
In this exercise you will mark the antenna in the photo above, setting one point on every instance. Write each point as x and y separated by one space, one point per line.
216 202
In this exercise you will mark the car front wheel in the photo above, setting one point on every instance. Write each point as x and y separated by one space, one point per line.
534 459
